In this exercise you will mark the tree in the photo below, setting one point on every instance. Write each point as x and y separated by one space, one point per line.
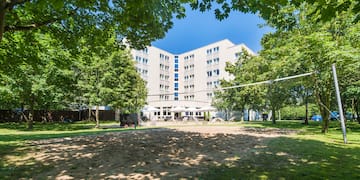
277 95
245 70
39 77
107 76
313 47
281 14
140 22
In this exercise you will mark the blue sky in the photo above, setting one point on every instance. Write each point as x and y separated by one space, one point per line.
198 29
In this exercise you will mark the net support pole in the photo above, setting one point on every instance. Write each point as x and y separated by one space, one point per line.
339 103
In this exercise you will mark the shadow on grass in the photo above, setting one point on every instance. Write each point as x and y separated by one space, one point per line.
288 124
312 127
39 136
16 145
10 171
150 154
47 126
289 158
170 154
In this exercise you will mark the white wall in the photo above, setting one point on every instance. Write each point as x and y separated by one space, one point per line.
193 65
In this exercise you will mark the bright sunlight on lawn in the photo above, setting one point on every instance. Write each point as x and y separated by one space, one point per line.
308 154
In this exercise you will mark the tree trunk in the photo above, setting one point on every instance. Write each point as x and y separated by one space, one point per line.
306 109
325 114
357 109
273 115
2 18
242 114
30 118
353 109
97 117
89 115
323 94
279 114
248 113
138 119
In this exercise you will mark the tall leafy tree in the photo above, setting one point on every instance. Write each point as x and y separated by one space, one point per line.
281 14
39 77
140 21
246 70
313 47
107 76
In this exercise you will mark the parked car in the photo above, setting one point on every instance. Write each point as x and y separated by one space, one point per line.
316 118
334 115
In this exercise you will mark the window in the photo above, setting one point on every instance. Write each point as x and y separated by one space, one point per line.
176 86
176 96
217 72
216 60
145 50
209 84
216 83
209 73
238 54
176 60
176 77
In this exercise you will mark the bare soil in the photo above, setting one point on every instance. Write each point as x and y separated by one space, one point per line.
184 152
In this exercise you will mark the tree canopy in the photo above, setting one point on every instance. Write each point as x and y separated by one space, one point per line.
281 14
310 46
140 21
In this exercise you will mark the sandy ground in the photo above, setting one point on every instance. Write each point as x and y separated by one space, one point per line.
180 152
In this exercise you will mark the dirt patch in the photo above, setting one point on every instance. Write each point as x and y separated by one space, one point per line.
163 153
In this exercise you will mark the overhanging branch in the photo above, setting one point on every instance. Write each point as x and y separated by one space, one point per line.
30 26
38 24
13 3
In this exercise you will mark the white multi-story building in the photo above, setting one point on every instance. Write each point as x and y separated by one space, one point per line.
185 80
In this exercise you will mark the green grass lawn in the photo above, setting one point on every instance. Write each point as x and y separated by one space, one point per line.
307 155
13 138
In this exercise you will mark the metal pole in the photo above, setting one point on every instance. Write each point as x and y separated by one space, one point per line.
339 103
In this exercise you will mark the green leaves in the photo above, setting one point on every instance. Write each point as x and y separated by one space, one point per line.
108 77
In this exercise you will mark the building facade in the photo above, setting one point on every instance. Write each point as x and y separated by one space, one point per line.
185 80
